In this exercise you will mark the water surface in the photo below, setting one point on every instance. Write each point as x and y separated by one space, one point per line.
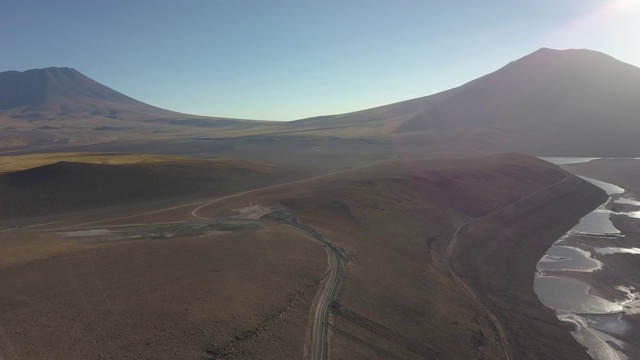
617 250
568 258
627 201
571 295
610 189
597 222
567 160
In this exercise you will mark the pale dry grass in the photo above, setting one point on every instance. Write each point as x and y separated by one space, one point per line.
23 162
20 248
244 295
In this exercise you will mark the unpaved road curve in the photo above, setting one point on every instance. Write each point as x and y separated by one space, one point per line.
202 204
465 286
317 346
194 213
318 339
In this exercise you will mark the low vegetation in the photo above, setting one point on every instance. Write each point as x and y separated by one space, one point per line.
90 181
23 162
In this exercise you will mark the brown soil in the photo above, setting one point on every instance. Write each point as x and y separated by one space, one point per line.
394 222
248 294
245 295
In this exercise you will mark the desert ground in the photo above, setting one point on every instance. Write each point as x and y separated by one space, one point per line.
222 276
245 293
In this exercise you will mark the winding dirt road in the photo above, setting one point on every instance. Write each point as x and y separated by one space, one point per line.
195 211
318 349
318 338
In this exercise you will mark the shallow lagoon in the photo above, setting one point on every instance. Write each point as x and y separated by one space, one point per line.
571 295
568 258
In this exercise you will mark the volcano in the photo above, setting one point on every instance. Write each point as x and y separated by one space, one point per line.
551 102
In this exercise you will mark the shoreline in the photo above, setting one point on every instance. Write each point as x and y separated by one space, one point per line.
614 280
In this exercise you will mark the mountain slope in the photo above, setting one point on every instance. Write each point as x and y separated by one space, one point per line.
59 106
570 102
551 102
548 87
55 92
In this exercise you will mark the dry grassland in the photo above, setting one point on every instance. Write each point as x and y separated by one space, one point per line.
245 295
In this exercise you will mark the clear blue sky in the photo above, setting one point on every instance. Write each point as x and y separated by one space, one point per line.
292 59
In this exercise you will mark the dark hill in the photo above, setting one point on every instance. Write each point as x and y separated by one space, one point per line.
71 186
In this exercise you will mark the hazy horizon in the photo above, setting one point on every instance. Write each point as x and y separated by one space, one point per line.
289 60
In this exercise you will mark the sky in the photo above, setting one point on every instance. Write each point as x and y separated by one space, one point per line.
292 59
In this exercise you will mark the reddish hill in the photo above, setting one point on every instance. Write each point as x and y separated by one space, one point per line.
393 223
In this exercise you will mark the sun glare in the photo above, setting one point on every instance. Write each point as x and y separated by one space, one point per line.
622 5
615 9
604 25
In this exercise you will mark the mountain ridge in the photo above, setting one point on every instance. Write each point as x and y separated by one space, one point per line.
534 104
59 106
549 102
60 91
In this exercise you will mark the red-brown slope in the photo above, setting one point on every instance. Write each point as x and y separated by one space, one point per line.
394 223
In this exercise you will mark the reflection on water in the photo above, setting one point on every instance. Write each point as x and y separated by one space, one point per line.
609 323
617 250
567 160
571 295
627 201
594 340
597 222
610 189
568 258
633 214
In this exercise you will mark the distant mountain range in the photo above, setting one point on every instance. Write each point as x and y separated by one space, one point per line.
60 106
551 102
